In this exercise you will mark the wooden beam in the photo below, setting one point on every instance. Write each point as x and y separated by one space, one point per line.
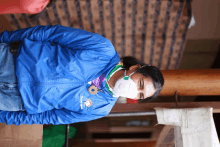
191 82
75 142
120 108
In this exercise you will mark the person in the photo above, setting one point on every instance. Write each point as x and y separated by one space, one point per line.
63 75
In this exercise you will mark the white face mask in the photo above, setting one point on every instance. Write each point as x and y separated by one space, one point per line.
126 87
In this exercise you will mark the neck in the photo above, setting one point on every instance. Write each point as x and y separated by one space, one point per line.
117 75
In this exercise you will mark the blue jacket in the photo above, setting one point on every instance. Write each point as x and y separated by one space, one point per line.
54 66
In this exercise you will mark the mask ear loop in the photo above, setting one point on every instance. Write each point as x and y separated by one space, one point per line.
127 77
131 73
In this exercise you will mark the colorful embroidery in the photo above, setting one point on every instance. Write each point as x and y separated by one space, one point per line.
98 81
93 89
88 103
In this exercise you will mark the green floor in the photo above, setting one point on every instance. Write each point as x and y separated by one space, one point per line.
54 135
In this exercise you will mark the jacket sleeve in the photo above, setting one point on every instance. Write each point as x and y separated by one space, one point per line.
55 116
65 36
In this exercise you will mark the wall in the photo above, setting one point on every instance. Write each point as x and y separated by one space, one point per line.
199 54
203 39
206 13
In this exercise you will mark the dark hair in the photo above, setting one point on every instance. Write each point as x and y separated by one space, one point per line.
146 70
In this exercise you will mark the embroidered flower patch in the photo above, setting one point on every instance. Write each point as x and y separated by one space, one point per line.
88 103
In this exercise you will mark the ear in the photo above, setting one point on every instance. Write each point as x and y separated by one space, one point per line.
135 67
